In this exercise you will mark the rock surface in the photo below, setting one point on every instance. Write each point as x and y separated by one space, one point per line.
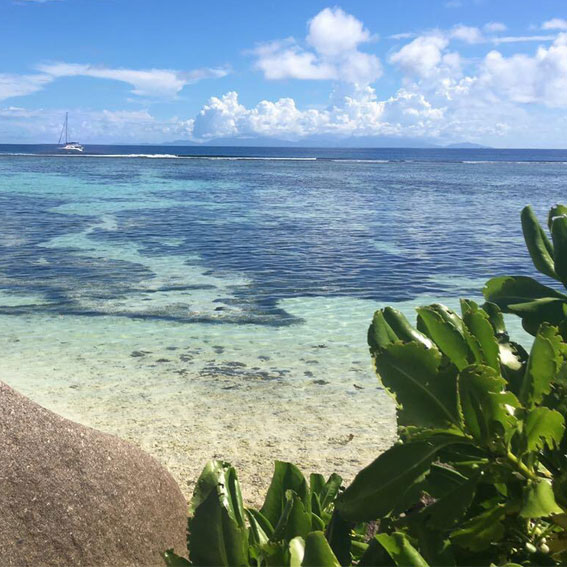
70 495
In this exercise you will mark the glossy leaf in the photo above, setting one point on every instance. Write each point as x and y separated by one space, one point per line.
286 477
555 211
481 531
257 534
338 536
539 501
318 553
296 551
446 329
426 396
559 235
485 405
391 480
543 365
294 520
217 532
327 490
480 328
399 548
447 511
173 560
542 428
537 243
527 298
390 326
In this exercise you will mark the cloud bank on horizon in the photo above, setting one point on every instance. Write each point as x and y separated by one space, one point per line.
437 93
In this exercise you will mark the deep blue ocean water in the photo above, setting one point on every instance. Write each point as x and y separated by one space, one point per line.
145 290
379 224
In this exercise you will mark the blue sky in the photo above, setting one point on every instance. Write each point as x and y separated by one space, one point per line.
487 71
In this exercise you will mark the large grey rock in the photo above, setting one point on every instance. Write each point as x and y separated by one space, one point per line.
73 496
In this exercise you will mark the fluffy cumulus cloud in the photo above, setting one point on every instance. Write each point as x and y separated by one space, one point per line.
513 96
331 52
359 113
424 55
541 78
443 97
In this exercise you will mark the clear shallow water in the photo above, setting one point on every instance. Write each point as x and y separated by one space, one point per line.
218 307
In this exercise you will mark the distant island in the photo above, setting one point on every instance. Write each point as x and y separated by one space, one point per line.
467 146
326 142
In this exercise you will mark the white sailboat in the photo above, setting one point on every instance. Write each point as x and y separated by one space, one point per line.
68 146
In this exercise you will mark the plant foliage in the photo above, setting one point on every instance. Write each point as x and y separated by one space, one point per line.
479 474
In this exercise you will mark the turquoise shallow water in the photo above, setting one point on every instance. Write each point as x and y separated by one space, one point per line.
218 308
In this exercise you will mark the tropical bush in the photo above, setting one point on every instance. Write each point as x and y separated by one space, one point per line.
479 475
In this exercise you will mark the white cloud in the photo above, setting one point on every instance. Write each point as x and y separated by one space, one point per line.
332 32
555 24
467 34
494 27
403 35
145 82
21 85
106 126
522 38
541 78
423 56
334 38
358 113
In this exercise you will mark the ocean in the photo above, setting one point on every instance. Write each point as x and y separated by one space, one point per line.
213 302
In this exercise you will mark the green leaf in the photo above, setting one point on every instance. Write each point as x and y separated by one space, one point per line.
391 481
326 491
426 395
261 521
217 533
318 552
339 537
401 550
435 548
525 297
173 560
479 326
447 511
296 551
495 317
294 520
257 535
539 500
380 334
480 532
559 235
485 406
375 555
538 244
542 427
555 211
543 365
286 477
390 326
447 331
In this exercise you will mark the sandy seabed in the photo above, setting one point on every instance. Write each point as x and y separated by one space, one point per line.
188 399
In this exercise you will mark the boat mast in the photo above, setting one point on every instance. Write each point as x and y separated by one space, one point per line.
63 130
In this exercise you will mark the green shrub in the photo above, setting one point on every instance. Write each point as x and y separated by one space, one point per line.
479 475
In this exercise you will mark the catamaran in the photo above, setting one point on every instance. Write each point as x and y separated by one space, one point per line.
69 146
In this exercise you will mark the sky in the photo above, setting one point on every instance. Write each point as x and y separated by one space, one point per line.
492 72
